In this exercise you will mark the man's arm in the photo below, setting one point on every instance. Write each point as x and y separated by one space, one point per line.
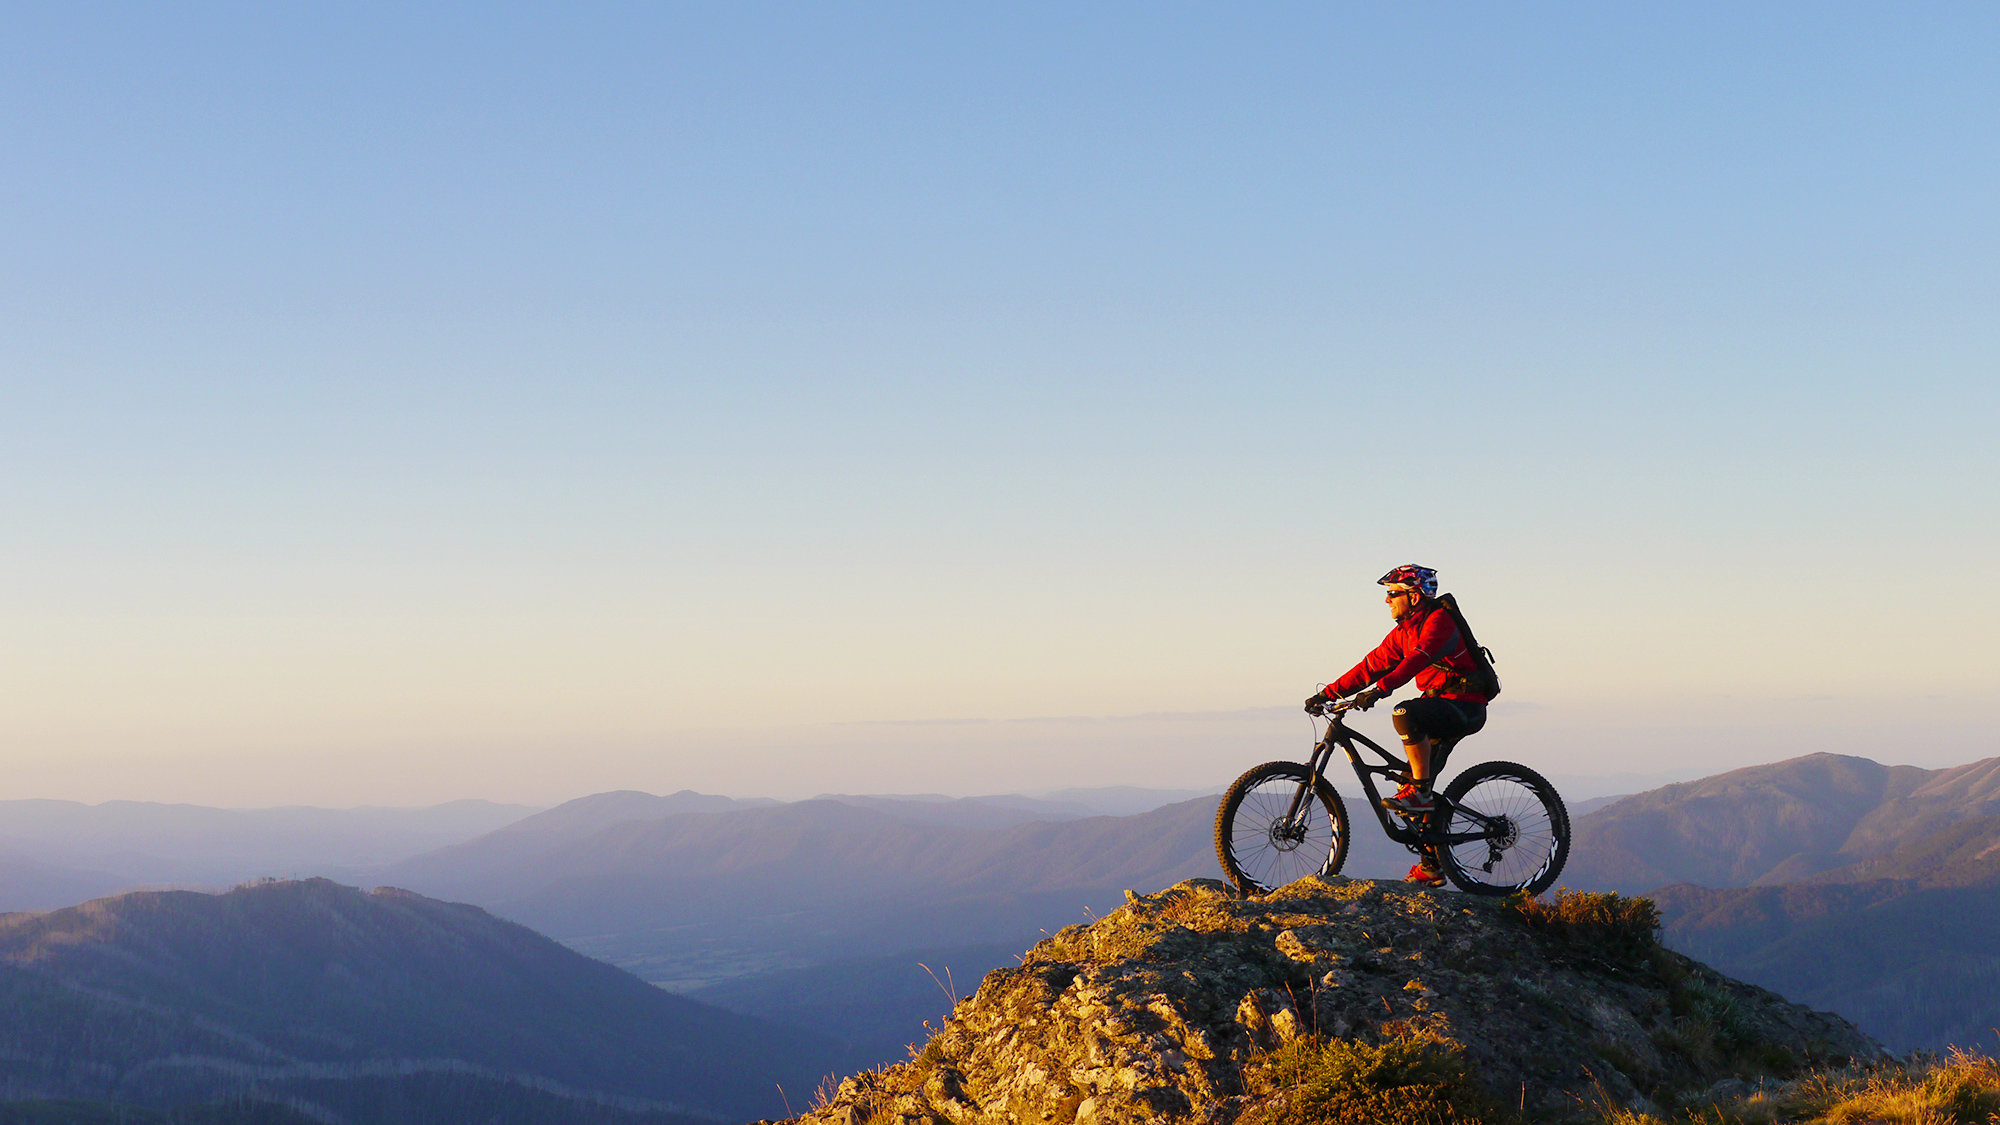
1387 655
1436 637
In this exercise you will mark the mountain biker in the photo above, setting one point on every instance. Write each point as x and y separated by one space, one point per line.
1425 647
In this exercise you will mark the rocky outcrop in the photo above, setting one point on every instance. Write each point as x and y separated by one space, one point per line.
1161 1009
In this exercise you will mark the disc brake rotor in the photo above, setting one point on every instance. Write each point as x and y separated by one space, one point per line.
1286 835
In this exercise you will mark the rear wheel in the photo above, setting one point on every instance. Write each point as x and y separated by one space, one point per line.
1519 830
1261 847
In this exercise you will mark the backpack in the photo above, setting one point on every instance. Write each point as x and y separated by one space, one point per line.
1483 679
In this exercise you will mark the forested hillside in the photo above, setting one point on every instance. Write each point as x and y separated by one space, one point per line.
1916 966
1864 889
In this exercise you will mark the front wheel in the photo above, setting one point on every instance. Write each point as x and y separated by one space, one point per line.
1263 846
1508 831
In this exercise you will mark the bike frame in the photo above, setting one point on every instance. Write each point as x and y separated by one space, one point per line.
1424 831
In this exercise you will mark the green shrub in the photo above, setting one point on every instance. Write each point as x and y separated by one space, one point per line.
1409 1080
1610 924
1707 1030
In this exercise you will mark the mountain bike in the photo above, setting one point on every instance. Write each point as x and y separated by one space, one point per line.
1496 829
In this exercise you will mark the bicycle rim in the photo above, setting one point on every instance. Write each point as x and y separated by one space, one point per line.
1260 849
1529 853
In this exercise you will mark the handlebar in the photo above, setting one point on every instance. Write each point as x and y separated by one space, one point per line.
1343 706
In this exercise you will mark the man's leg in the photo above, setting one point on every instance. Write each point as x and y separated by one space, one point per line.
1416 744
1414 798
1417 722
1419 751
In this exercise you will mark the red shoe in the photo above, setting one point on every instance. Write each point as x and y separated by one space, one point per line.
1428 876
1410 801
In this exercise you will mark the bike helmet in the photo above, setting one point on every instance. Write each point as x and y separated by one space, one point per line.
1422 579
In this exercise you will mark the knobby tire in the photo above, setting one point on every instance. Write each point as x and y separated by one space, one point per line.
1251 852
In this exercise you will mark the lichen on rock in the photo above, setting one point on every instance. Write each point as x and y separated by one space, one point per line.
1166 1008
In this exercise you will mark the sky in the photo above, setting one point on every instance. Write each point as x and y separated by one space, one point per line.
409 402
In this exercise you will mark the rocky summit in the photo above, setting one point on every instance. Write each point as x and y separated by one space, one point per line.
1179 1006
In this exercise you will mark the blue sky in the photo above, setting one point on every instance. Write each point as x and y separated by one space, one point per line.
408 402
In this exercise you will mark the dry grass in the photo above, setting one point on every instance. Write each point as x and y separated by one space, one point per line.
1961 1089
1610 923
871 1093
1186 906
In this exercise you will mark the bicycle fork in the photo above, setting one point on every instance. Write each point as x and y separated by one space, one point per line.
1302 800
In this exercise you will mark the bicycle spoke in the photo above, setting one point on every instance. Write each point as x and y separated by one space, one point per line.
1521 836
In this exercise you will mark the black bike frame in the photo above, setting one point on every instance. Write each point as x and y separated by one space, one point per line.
1426 830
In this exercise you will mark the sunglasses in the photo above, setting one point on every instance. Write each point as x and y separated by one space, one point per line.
1394 594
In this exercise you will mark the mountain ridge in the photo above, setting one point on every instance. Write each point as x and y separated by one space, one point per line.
1820 816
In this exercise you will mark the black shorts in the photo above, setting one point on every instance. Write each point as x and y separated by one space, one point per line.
1440 720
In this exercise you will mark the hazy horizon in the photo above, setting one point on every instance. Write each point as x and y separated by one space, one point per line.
414 402
1577 785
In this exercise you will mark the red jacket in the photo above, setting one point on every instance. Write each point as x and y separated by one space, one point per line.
1424 646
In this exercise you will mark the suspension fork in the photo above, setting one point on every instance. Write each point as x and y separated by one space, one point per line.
1315 769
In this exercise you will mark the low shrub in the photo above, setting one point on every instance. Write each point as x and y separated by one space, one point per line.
1413 1079
1707 1027
1610 924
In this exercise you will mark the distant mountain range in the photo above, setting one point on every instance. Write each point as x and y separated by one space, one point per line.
55 853
1864 889
738 905
378 1007
707 902
1844 883
1820 817
695 897
691 887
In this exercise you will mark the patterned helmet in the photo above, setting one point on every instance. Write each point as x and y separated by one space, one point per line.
1422 579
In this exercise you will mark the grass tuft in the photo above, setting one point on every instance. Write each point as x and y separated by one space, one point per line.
1961 1089
1186 906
